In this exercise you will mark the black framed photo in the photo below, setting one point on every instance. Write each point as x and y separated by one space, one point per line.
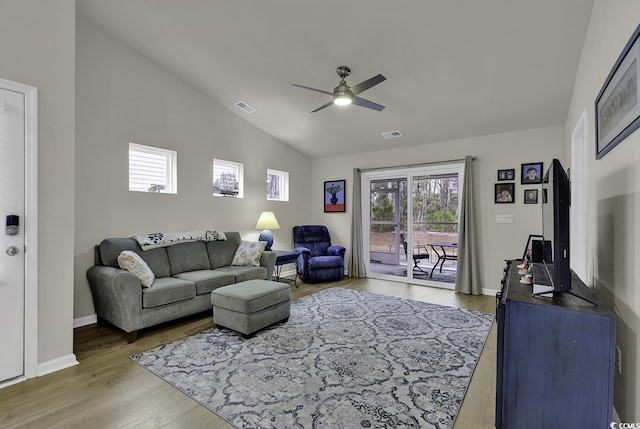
504 193
531 196
531 172
509 174
334 192
617 108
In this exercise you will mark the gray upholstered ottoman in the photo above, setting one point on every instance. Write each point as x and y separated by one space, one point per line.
249 306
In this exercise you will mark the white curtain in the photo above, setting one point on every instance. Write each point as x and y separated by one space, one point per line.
356 267
468 278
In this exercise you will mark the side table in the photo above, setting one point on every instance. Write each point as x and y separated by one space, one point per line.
284 257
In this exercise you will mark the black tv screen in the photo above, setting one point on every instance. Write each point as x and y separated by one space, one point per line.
555 225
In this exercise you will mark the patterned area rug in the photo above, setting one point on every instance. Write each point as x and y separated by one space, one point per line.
345 359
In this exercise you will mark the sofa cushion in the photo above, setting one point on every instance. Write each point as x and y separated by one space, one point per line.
188 257
132 262
242 274
221 252
322 262
249 253
156 259
207 280
166 290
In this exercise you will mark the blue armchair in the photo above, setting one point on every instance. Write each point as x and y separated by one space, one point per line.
319 261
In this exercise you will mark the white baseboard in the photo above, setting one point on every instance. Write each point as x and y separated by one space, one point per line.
616 417
84 321
12 382
287 273
490 292
57 364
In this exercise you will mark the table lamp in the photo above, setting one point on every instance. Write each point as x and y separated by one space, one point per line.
266 222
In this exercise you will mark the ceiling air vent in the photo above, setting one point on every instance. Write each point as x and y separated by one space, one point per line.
391 134
244 106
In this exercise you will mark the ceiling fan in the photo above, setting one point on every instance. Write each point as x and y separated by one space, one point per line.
344 95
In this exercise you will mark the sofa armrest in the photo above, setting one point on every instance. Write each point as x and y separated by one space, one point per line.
336 251
117 296
268 260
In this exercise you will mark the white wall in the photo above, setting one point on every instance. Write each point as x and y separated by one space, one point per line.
501 151
613 201
122 97
37 49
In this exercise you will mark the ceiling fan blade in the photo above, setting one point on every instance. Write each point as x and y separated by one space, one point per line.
358 101
363 86
313 89
324 106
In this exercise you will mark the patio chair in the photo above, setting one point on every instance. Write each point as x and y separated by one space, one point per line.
416 254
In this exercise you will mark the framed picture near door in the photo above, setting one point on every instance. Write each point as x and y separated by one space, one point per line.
334 200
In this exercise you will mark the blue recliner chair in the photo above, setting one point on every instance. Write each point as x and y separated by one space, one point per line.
319 261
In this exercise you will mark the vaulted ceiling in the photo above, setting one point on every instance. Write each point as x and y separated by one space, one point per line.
454 69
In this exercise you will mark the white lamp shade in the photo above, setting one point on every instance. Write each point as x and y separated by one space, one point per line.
267 220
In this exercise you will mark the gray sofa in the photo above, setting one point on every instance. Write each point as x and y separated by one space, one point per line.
186 273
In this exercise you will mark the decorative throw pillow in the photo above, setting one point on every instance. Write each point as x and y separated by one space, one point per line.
133 263
249 253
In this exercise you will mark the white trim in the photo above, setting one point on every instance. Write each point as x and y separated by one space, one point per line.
30 225
57 364
85 321
616 417
579 183
12 382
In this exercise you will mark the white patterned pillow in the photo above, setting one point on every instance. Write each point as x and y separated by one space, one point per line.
133 263
249 253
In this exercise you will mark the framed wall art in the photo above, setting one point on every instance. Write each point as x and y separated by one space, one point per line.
531 196
617 106
504 193
334 192
509 174
531 173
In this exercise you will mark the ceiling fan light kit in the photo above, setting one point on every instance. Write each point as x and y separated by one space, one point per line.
344 95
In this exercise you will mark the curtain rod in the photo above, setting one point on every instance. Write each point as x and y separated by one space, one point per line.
423 164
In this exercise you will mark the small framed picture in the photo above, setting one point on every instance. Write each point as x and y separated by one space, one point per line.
507 174
334 192
531 173
531 196
505 193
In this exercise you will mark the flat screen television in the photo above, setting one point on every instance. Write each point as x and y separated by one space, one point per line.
556 198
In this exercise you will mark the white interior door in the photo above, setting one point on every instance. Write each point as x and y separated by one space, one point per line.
12 203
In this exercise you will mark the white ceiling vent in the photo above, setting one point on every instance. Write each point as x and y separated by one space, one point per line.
391 134
244 106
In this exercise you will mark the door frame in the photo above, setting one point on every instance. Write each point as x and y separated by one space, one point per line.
408 173
30 227
579 238
395 257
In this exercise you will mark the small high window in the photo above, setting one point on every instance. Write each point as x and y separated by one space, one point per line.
152 169
277 185
227 178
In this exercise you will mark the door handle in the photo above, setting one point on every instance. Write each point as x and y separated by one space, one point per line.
12 250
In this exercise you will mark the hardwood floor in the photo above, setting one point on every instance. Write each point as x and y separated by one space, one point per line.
109 390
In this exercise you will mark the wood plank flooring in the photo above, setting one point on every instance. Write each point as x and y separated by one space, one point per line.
109 390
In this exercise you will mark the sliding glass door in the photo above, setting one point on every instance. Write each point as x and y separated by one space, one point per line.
387 214
411 219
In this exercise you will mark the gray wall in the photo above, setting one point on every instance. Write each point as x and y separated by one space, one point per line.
613 203
37 49
495 152
122 97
